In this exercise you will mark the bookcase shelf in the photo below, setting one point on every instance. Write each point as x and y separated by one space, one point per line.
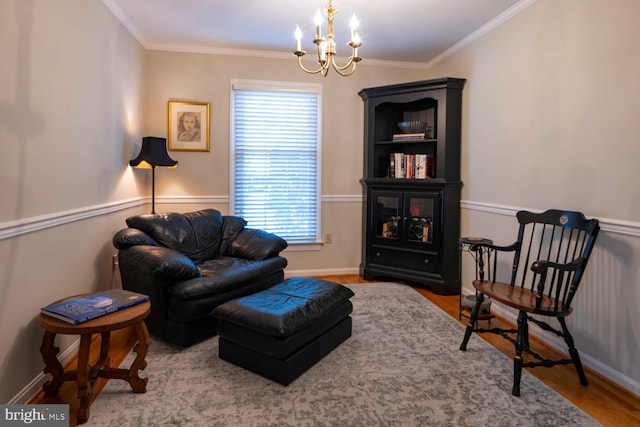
407 141
411 222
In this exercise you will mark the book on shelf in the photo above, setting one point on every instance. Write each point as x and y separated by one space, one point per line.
86 307
392 166
407 136
411 166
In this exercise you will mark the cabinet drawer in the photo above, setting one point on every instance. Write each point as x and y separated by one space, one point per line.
421 261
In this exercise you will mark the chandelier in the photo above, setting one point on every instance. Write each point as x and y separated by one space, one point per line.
327 47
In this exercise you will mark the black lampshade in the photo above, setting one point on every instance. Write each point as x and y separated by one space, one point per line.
153 153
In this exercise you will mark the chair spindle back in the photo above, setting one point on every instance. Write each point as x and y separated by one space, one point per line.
553 236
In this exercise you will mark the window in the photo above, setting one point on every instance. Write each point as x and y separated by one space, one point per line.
275 158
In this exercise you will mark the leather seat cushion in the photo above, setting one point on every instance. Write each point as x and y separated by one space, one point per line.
225 274
187 310
285 308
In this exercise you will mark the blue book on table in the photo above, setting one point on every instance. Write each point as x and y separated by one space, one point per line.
87 307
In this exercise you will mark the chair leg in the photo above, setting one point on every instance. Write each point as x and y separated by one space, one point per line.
473 319
525 334
573 352
517 359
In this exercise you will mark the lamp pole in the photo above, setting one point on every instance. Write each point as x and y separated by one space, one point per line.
153 189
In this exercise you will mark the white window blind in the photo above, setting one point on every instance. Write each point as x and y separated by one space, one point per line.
275 159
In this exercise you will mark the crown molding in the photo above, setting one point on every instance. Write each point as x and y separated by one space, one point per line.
212 50
124 20
494 23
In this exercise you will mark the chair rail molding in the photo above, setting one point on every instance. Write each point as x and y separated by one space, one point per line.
629 228
192 200
15 228
19 227
334 198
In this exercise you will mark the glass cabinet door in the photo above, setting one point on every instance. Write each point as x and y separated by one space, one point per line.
420 210
386 215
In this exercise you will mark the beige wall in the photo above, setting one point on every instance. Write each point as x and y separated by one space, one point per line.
207 78
551 103
551 120
70 115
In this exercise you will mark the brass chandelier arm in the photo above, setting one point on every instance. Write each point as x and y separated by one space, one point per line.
322 68
352 63
327 47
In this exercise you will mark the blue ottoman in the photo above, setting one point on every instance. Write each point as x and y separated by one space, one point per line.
281 332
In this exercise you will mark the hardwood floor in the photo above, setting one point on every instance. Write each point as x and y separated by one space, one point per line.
606 402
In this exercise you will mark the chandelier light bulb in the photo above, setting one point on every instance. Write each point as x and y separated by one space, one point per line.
317 20
326 46
354 27
298 36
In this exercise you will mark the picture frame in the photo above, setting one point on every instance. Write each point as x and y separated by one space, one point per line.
188 124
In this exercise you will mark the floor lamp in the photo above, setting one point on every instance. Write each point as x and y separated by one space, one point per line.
153 153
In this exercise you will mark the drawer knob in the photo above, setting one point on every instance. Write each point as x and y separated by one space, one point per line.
426 261
377 253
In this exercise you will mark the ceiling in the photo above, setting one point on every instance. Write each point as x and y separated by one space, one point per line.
401 31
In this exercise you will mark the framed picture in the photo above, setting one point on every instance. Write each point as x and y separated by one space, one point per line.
188 126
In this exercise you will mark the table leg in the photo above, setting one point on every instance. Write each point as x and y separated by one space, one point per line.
104 350
52 365
139 385
84 383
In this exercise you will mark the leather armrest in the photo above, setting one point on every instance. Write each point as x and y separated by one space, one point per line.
256 245
231 226
159 262
128 237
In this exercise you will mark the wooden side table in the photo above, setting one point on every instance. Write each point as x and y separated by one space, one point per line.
86 375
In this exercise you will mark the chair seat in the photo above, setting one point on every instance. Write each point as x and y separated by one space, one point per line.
519 298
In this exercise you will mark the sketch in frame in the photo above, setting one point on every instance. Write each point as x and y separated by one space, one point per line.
188 126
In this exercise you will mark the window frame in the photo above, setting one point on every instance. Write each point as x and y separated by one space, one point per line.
239 84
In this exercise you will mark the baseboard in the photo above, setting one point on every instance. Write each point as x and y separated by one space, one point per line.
321 272
35 385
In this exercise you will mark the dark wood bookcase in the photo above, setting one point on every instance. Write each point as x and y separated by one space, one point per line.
411 223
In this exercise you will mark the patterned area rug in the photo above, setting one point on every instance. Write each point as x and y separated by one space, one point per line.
401 367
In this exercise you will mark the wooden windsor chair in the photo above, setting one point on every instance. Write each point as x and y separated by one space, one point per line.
547 262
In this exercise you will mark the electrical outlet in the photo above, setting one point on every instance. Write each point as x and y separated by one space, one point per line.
115 261
328 238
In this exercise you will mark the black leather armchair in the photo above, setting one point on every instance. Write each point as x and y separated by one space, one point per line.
191 263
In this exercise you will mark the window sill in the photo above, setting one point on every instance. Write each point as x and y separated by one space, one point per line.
303 247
